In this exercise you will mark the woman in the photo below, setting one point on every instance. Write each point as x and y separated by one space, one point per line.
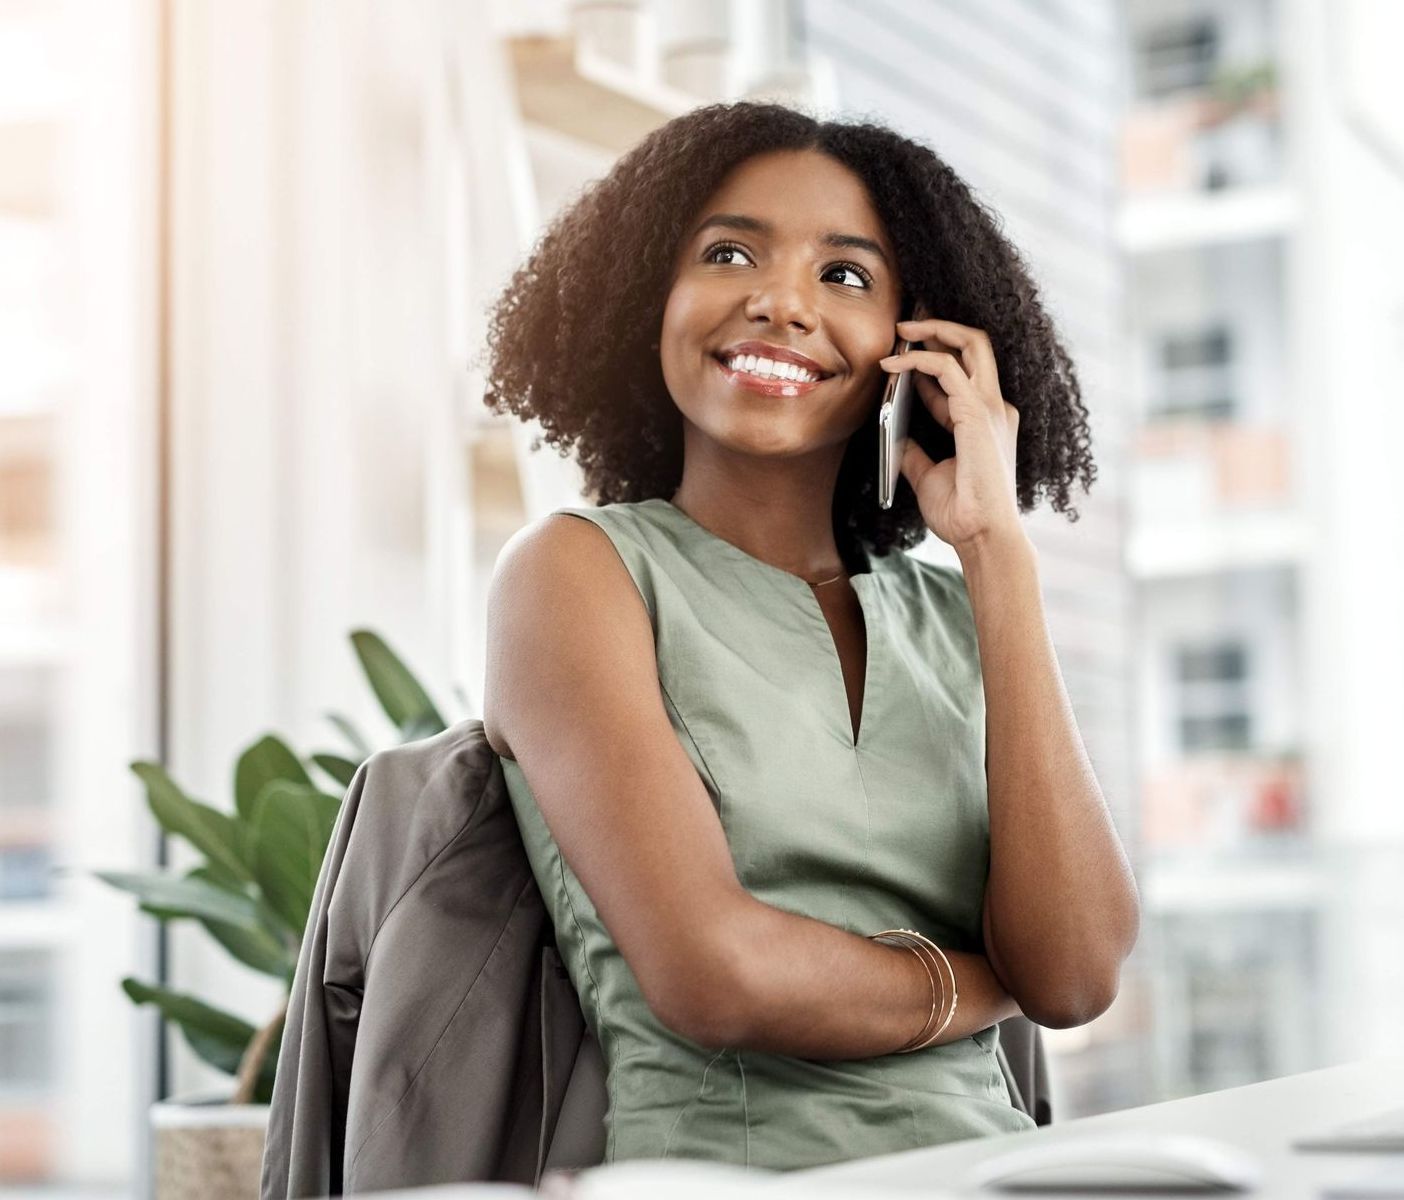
741 728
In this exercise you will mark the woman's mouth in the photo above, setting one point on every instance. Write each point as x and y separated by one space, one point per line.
766 377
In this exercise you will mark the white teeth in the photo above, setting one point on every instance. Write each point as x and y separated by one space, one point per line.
769 369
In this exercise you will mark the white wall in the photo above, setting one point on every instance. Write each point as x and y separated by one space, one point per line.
1347 290
310 391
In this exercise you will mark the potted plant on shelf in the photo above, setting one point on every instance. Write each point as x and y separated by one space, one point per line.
252 893
1238 127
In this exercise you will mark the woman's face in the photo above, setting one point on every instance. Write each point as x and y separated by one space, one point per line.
763 262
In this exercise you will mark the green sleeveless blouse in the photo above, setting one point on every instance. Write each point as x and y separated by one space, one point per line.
890 831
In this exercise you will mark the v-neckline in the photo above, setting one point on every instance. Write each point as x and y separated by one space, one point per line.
843 678
860 582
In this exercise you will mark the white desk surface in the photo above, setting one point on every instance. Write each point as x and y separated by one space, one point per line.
1261 1118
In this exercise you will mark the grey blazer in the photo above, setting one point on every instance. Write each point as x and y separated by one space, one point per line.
432 1033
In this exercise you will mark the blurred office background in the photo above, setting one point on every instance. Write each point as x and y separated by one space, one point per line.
245 251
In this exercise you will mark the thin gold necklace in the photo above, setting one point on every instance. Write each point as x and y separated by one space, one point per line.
822 582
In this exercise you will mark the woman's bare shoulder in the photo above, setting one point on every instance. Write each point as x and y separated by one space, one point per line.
572 693
558 584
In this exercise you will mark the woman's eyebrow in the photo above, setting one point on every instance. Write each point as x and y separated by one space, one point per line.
851 241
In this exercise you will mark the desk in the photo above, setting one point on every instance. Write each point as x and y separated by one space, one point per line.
1261 1118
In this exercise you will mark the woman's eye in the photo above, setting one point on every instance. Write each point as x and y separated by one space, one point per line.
722 248
855 269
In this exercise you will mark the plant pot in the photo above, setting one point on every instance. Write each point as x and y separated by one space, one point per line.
206 1148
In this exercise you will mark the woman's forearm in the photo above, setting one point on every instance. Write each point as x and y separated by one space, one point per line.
809 989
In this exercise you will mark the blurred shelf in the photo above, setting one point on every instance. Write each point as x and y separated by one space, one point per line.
1146 224
31 149
26 825
1215 542
25 924
565 87
39 644
36 375
35 397
1237 883
33 84
27 422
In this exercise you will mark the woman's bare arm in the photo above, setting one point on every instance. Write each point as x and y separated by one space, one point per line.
1061 906
572 688
816 991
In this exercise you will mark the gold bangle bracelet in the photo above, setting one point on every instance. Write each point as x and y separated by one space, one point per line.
931 952
938 958
955 997
955 994
930 978
904 937
934 966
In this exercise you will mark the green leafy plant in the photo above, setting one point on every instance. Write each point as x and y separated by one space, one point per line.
253 891
1234 86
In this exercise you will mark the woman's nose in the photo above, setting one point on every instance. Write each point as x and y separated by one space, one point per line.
783 303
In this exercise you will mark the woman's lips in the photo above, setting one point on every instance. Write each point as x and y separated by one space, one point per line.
767 387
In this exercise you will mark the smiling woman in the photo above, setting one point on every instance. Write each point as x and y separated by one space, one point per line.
779 289
740 727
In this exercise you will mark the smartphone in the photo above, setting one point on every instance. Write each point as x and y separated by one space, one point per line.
894 417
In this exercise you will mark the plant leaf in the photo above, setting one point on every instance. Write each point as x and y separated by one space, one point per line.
219 876
343 770
267 759
265 950
351 734
170 897
217 1037
292 828
215 834
398 691
260 951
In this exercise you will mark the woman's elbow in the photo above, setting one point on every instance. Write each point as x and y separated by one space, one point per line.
1082 996
701 999
1070 1008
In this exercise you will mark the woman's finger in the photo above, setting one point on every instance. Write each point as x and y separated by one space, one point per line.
976 351
945 366
915 462
937 402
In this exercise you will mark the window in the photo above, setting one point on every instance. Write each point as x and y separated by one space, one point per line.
1212 697
25 872
24 752
26 1005
1177 58
1194 374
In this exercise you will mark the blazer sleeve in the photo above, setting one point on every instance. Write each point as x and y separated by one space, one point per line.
303 1147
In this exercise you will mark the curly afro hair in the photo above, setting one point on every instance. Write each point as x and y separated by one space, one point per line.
573 337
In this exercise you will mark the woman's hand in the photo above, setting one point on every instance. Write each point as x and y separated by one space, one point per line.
969 498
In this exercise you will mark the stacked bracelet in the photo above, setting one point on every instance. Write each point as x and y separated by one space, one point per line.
921 958
902 937
930 955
